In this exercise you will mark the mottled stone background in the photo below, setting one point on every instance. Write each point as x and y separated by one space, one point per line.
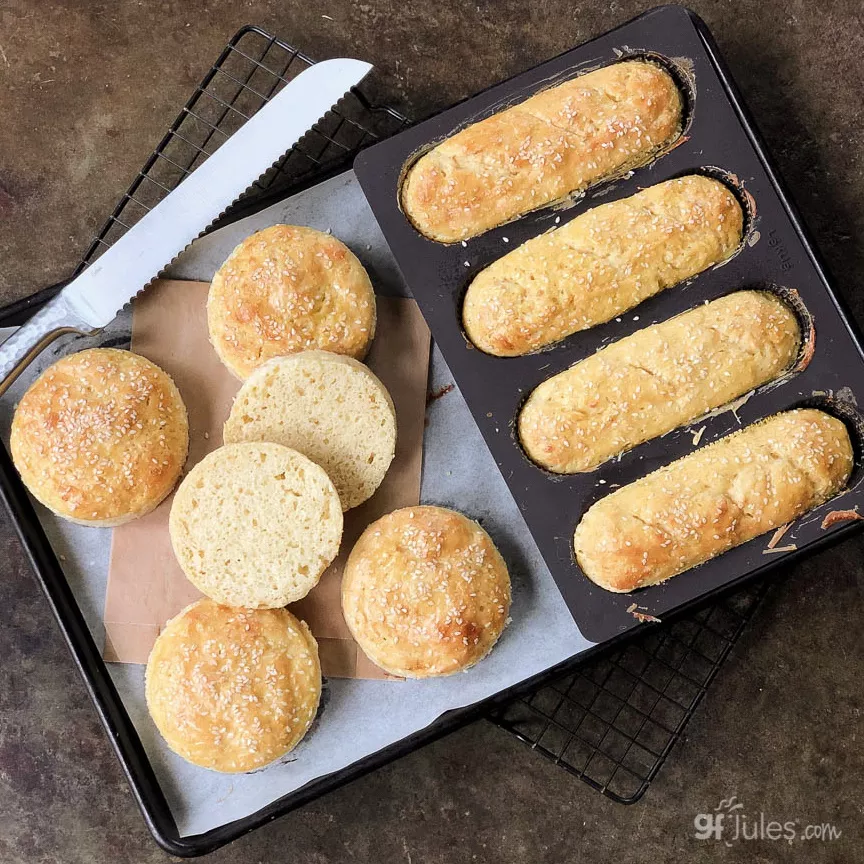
86 90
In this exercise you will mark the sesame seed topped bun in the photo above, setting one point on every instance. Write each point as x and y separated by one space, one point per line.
288 289
607 260
562 140
425 592
230 689
101 436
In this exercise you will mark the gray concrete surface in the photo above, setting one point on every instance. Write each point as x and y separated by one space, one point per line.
86 90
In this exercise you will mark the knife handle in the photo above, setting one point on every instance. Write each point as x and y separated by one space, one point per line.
21 348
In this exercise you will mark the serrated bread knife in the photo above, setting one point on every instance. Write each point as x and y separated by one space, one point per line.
92 300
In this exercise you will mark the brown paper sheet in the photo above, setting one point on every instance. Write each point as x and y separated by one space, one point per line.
146 586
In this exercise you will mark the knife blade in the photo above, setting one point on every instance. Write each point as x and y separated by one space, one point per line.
95 297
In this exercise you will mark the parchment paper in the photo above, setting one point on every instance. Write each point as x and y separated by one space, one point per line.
146 586
359 717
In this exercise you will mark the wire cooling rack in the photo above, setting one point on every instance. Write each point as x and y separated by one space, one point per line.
612 723
251 69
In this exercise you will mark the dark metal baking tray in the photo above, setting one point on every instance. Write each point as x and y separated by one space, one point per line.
719 139
252 67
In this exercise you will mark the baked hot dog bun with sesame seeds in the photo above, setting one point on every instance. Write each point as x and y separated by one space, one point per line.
231 689
600 264
556 143
255 525
425 592
288 289
100 438
719 497
657 379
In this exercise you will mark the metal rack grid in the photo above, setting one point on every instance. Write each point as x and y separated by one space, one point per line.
251 69
614 722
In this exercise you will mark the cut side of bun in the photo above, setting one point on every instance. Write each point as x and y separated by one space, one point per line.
255 525
330 408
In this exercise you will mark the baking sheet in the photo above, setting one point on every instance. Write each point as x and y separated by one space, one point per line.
359 717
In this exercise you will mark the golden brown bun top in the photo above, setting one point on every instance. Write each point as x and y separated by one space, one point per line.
233 689
657 379
717 497
600 264
101 436
539 151
288 289
425 592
